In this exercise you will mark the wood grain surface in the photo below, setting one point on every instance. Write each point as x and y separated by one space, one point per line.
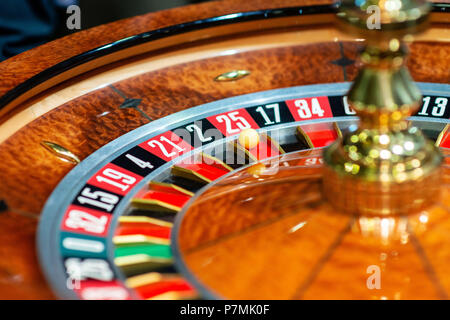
85 124
272 238
33 63
20 274
28 64
29 172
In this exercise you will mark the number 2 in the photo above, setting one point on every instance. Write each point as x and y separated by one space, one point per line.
194 127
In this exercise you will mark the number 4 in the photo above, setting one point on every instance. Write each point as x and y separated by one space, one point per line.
142 164
316 108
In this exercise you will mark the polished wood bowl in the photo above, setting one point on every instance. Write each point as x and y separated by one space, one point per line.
274 236
70 92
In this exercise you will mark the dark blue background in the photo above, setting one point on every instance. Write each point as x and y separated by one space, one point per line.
25 24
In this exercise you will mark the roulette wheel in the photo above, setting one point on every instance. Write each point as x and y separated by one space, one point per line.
189 154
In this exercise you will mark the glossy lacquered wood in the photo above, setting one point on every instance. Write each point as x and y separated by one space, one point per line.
98 54
29 172
85 124
274 236
70 51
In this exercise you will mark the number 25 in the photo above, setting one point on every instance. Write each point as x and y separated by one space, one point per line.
240 122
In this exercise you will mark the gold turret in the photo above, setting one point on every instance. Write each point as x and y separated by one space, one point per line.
386 166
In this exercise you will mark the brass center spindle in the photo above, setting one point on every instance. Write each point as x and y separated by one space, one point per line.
386 166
